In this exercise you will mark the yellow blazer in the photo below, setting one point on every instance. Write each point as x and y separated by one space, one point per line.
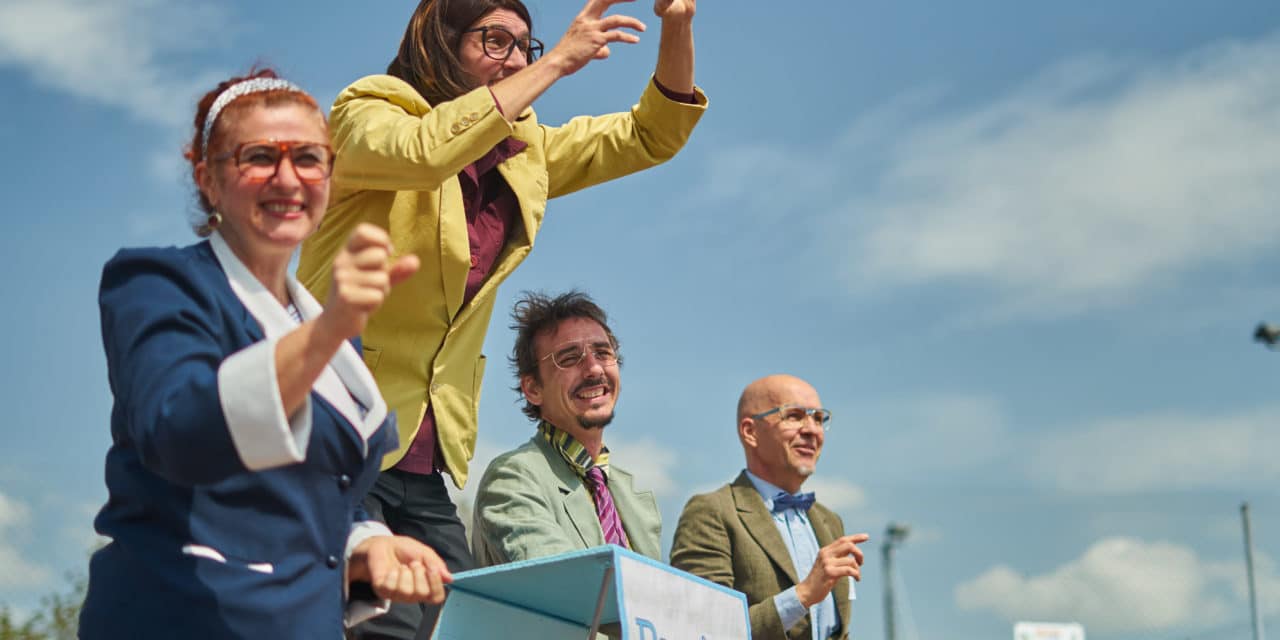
397 164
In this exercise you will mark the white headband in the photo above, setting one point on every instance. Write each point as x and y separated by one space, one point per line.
240 89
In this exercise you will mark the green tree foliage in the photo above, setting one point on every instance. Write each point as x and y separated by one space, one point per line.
57 618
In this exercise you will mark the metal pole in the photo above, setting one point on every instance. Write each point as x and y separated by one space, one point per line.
894 534
886 553
1248 563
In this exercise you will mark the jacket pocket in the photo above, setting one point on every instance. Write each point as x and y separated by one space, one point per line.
209 553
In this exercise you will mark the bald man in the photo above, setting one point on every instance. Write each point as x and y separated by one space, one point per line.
759 534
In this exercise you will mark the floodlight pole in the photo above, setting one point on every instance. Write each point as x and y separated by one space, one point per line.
894 534
1248 563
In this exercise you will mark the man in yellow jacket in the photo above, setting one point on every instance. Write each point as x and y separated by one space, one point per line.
446 153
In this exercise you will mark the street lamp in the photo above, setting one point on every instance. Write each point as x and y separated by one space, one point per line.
894 535
1267 334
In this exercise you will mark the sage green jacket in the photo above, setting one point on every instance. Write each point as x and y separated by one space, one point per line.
531 504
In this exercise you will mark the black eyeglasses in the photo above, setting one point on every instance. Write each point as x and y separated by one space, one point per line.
500 43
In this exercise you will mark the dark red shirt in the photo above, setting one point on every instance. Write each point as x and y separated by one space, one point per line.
492 211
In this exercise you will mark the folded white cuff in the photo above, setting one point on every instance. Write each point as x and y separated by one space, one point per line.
263 435
361 610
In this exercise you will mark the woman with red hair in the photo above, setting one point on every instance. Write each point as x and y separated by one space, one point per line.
246 429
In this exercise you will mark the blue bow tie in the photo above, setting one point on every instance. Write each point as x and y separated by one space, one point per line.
784 501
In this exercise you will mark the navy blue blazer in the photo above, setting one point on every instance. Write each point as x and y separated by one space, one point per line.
208 541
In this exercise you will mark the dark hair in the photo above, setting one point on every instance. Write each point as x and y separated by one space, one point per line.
428 56
195 152
537 313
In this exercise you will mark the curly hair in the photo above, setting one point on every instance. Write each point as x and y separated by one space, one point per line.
537 313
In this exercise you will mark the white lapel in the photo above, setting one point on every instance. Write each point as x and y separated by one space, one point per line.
345 377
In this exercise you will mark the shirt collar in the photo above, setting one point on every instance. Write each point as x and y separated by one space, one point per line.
767 489
500 153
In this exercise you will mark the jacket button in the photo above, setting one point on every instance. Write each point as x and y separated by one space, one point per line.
331 562
456 128
344 482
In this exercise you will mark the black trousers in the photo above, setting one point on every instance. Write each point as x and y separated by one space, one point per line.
417 506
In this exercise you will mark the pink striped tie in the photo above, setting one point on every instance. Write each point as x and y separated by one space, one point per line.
608 514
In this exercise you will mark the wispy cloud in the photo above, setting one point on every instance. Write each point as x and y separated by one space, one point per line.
960 434
16 570
652 464
942 433
1135 454
1097 182
1119 585
836 493
122 53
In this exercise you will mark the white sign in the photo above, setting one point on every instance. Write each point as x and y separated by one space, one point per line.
659 603
1047 631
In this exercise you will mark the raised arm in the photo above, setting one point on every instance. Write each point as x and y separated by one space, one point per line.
588 38
675 50
363 275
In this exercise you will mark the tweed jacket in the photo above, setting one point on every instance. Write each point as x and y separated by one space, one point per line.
397 163
729 537
531 504
227 517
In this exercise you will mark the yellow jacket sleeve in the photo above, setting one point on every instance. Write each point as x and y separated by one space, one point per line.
388 138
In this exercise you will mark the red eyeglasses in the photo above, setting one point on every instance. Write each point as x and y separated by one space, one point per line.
259 160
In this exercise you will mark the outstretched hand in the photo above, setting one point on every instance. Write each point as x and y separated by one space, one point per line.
400 569
590 34
363 275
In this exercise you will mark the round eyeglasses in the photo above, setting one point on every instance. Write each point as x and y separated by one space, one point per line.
794 415
500 43
259 160
571 354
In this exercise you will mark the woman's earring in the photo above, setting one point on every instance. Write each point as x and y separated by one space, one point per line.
210 223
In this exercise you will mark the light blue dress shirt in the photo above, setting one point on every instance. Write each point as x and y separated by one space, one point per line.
802 544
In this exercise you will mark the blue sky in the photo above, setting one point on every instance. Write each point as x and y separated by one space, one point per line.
1019 248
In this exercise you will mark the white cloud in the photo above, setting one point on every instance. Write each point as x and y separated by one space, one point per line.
16 570
1123 455
1118 585
1266 580
115 52
945 432
78 530
1096 181
837 494
13 513
652 464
